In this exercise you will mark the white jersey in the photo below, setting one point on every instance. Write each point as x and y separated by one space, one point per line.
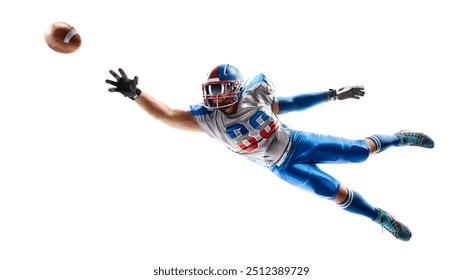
254 131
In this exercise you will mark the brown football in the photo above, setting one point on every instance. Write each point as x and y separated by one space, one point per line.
62 37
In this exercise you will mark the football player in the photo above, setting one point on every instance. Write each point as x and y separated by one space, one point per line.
243 115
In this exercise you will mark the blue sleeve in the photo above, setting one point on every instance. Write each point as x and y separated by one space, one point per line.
301 101
199 109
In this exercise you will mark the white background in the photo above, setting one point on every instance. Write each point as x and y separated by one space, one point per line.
91 187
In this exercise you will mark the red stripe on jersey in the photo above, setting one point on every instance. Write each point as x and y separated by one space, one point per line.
268 130
250 146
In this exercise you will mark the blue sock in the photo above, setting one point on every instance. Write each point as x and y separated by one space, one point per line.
383 142
355 203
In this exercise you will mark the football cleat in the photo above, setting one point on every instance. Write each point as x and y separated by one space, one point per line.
408 138
396 228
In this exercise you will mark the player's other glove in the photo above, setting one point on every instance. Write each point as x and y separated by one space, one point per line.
124 85
347 92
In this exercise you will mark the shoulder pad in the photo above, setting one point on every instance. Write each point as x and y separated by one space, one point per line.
259 79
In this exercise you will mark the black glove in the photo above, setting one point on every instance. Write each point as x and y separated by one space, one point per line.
347 92
124 85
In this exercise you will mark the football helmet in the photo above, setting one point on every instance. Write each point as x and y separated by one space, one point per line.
222 87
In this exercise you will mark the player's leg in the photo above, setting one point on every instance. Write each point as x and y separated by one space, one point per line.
353 202
379 142
309 177
331 149
319 148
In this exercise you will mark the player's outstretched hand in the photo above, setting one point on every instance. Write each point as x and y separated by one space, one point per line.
124 85
347 92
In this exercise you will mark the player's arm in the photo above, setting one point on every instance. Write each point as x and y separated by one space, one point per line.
175 118
284 104
180 119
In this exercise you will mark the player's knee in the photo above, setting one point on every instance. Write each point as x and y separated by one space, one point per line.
327 188
359 153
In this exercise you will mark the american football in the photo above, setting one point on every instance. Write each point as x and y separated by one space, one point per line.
62 37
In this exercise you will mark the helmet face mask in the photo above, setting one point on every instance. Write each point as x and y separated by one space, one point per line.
221 90
220 94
